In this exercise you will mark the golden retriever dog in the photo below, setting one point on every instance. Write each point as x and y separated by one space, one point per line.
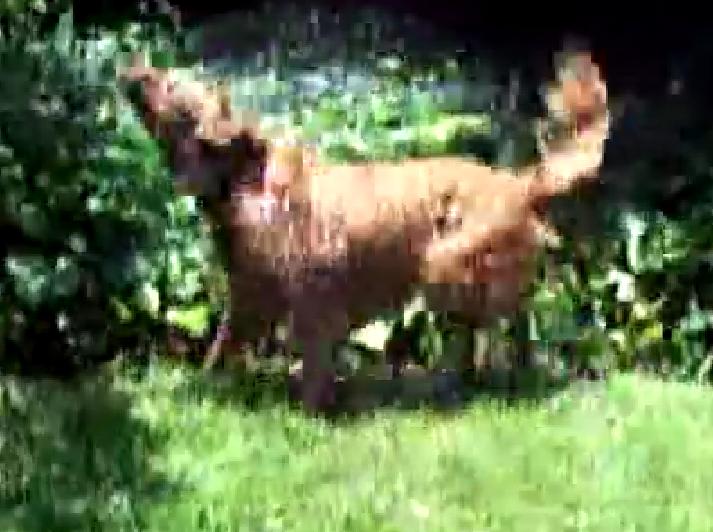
327 246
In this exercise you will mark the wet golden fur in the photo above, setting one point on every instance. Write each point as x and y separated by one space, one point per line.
329 245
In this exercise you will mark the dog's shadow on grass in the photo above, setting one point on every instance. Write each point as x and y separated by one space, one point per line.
74 457
445 391
364 395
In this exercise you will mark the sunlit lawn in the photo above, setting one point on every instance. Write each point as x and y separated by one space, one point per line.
166 453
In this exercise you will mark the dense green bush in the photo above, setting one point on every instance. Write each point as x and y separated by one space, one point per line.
94 247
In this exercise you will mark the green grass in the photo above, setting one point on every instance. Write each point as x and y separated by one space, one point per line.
168 452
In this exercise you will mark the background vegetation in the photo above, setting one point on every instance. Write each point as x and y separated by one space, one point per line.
629 283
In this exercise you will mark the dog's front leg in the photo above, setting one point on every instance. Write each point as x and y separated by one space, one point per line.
315 335
318 375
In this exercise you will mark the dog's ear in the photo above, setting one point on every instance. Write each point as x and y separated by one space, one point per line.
248 146
248 158
258 149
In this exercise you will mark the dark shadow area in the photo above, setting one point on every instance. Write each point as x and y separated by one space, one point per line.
73 457
366 394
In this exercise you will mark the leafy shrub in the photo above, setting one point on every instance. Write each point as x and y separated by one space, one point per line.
94 246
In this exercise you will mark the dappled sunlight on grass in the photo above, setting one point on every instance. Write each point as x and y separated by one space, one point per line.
162 452
73 457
